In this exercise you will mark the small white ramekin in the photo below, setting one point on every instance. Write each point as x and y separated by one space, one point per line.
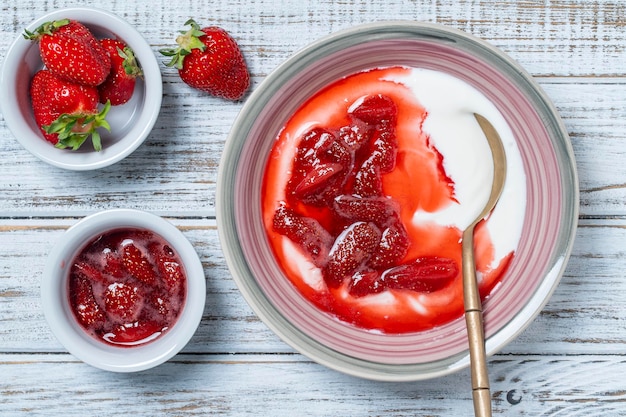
58 313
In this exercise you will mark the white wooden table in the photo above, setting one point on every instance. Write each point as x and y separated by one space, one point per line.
570 362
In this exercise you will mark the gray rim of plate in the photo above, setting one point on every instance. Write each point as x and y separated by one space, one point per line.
225 196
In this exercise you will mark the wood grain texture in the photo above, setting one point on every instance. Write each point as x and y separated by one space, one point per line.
227 385
570 361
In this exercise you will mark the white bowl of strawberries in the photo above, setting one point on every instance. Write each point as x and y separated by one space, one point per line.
82 88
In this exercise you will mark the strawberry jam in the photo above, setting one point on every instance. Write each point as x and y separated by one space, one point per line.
342 184
127 287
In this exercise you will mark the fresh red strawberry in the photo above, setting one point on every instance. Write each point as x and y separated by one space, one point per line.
67 113
84 304
119 86
210 60
70 50
137 264
123 302
350 251
134 333
305 232
425 274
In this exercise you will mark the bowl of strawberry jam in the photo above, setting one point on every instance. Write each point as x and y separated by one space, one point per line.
349 176
123 290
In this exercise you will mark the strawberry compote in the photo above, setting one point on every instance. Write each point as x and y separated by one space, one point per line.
343 182
127 287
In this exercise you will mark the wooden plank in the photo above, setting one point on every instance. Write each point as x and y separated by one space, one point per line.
559 38
580 318
281 385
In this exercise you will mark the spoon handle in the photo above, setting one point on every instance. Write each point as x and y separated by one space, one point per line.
474 322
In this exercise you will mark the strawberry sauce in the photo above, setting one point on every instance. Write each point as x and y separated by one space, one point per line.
127 287
342 184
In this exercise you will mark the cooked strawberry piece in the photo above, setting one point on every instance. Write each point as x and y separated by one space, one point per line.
393 247
84 304
384 148
312 144
318 146
336 152
325 190
379 210
307 157
134 333
351 250
109 242
316 179
88 272
368 181
172 273
376 109
305 232
137 264
320 168
113 265
365 283
169 267
123 302
354 136
426 274
160 303
119 85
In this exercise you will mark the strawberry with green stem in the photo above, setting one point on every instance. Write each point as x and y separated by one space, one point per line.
71 51
210 60
119 86
67 113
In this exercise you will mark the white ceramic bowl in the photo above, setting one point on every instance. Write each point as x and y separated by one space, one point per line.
130 123
549 220
56 304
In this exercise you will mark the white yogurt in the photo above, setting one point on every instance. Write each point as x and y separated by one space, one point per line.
455 133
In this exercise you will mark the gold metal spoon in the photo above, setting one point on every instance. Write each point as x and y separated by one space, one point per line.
473 308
